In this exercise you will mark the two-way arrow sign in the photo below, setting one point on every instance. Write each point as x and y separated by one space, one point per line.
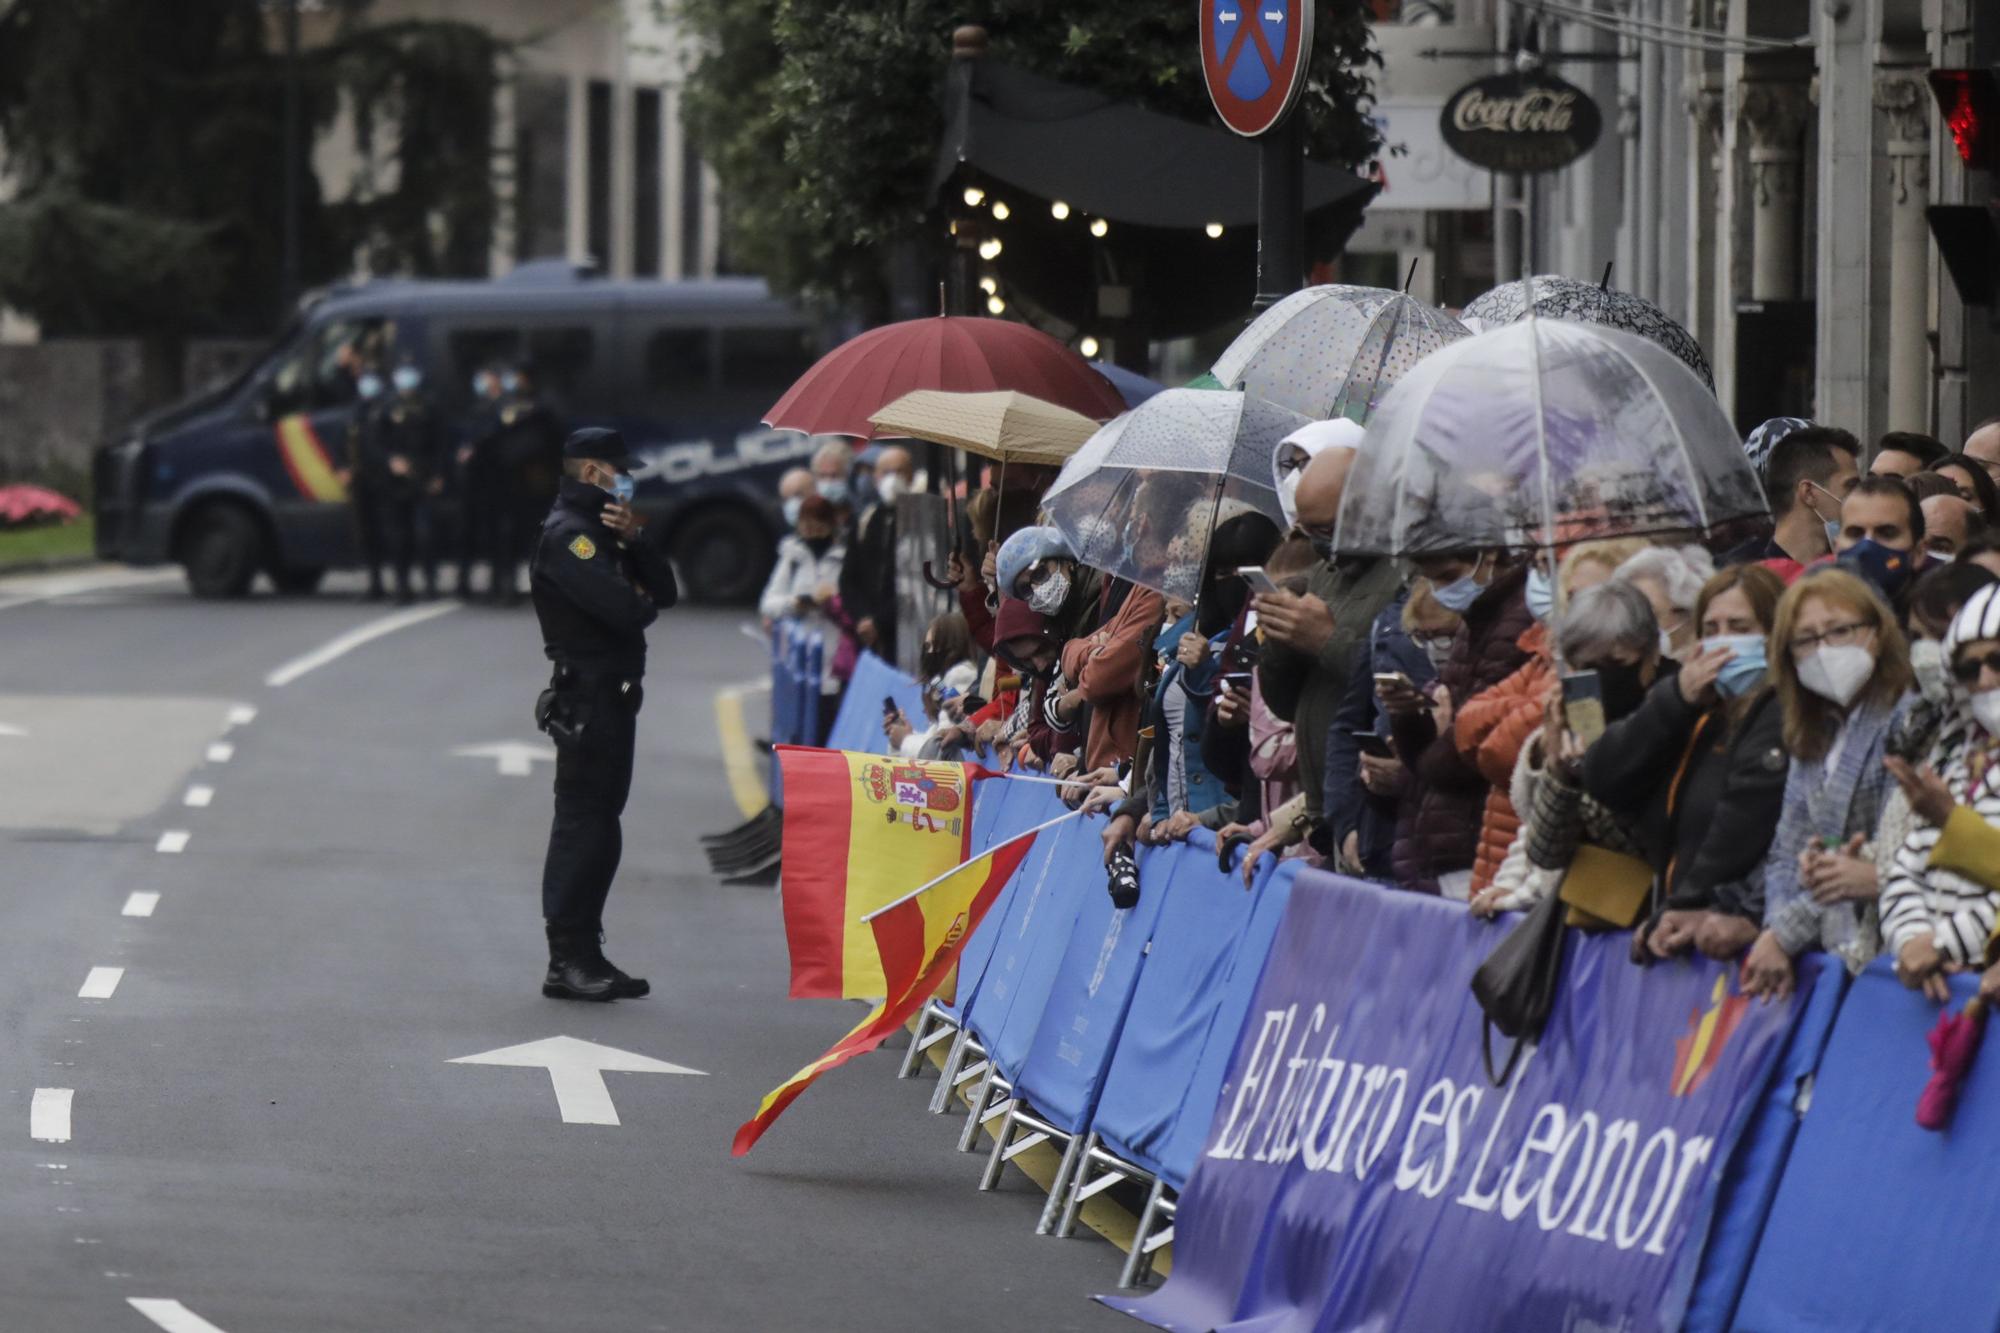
577 1070
516 758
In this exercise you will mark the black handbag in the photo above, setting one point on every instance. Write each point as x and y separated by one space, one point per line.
1516 985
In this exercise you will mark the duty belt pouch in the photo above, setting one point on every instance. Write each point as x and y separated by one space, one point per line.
1516 985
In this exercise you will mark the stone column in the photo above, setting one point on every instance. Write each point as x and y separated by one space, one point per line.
1906 103
1775 115
1706 218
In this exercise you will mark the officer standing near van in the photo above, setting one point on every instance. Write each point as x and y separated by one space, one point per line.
402 444
477 480
527 462
598 578
365 476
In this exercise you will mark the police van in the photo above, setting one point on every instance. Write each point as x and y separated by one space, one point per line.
245 477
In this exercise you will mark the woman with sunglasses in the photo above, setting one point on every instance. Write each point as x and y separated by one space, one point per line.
1841 667
1936 920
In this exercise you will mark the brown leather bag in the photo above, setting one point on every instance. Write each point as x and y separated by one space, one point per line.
1605 890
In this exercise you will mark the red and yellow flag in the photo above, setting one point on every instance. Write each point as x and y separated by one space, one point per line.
860 830
919 942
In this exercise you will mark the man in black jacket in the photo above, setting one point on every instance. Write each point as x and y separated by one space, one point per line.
597 580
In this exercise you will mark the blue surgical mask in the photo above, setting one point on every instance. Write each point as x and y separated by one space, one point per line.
1459 594
369 386
622 488
1743 672
510 382
833 489
479 386
407 378
1832 525
1541 593
793 504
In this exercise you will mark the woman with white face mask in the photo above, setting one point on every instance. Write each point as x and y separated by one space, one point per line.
1937 915
1842 667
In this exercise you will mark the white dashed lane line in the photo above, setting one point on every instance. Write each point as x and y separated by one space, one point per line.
101 984
340 646
221 752
242 715
141 903
171 1315
198 796
48 1115
172 841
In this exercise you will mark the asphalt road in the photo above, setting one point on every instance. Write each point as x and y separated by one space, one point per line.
264 1123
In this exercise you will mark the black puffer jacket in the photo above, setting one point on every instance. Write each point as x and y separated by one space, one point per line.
1437 831
1704 816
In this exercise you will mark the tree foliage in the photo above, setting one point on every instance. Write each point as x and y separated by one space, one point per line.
822 118
144 146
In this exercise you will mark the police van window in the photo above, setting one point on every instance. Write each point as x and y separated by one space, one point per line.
756 360
314 373
679 361
563 359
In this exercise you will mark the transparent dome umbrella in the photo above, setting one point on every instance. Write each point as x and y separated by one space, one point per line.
1557 297
1140 499
1544 431
1334 350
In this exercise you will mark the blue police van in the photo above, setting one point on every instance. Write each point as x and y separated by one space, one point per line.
244 477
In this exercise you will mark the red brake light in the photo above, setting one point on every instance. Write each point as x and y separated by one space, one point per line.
1969 100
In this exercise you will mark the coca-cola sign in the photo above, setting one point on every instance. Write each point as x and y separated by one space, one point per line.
1521 122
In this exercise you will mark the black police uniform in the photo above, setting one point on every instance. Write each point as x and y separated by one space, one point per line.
527 453
368 488
594 595
402 427
477 486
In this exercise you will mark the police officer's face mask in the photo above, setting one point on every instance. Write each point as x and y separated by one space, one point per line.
622 488
407 379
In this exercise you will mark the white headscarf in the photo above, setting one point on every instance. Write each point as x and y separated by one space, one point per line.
1310 440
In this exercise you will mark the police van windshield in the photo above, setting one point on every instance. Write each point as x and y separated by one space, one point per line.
318 370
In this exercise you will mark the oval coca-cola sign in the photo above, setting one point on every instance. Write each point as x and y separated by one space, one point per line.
1521 122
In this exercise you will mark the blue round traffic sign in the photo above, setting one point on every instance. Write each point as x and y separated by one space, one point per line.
1253 56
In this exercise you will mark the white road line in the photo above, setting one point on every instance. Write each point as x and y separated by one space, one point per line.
242 715
354 638
141 904
172 841
221 752
48 1114
101 984
171 1315
198 796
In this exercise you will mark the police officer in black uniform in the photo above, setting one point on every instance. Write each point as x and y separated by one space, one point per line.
527 452
402 448
477 481
598 579
366 475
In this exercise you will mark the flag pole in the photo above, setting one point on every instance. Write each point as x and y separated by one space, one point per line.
1004 842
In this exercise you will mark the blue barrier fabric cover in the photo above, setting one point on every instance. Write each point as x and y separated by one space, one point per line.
1026 951
1189 1134
993 805
1878 1224
1071 1045
859 724
1201 921
1361 1173
1751 1180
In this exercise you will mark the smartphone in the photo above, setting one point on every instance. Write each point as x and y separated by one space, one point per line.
1371 744
1583 705
1254 575
889 707
1386 679
1236 680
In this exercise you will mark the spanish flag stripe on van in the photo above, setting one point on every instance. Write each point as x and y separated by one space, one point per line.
306 460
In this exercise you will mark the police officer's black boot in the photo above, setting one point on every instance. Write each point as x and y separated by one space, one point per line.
625 987
577 971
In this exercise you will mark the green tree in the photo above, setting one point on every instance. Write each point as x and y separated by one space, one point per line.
144 145
822 117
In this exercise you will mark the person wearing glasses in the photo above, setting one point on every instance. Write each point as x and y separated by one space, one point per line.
1939 904
1841 667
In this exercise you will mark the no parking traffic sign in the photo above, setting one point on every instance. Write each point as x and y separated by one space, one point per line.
1254 55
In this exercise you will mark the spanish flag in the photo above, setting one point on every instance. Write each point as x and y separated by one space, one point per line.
861 829
919 941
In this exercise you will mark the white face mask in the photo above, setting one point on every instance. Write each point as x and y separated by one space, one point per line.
890 488
1932 672
1837 673
1986 710
1288 497
1047 596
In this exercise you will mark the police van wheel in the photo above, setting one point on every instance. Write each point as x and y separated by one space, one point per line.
722 556
297 580
221 551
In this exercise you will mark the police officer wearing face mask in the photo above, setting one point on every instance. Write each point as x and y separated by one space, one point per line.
598 578
366 477
400 457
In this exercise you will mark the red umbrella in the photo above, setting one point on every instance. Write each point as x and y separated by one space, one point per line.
958 354
23 504
1954 1041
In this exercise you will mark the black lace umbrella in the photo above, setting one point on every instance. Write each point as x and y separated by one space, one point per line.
1557 297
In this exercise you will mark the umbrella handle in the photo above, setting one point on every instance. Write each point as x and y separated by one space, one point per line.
942 585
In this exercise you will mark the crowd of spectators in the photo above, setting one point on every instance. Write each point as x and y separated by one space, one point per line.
1788 744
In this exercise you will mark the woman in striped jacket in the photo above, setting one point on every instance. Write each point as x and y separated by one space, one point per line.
1934 920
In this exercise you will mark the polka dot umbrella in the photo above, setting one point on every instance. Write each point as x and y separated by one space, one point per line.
1557 297
1334 350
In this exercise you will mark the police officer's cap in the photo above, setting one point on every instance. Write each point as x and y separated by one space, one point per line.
600 444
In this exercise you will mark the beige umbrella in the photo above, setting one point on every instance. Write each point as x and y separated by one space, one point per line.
1003 425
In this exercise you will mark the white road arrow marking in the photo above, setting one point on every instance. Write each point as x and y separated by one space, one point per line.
577 1070
516 758
6 730
48 1114
171 1315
